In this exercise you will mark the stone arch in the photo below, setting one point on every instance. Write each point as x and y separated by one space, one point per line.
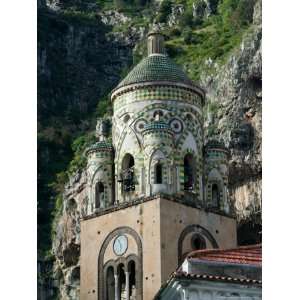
197 229
124 134
214 174
99 173
138 261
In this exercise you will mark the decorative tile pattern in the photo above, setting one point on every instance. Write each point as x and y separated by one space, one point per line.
154 93
155 68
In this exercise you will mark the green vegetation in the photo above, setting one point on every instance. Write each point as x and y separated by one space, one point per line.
212 38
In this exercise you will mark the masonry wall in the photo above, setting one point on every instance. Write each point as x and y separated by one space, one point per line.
176 217
145 220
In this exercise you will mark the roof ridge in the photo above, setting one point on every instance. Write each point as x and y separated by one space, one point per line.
211 251
214 277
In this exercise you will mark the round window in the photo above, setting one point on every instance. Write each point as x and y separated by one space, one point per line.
140 125
176 125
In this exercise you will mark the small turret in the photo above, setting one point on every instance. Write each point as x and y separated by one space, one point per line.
159 147
216 176
100 170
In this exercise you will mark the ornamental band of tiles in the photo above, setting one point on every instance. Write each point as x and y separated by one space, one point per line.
157 150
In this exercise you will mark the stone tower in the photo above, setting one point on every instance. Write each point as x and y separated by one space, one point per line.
163 191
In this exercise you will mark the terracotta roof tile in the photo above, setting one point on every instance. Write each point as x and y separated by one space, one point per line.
250 255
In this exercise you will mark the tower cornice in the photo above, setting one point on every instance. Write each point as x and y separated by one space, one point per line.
136 86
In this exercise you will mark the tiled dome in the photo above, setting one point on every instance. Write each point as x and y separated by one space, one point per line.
100 146
156 68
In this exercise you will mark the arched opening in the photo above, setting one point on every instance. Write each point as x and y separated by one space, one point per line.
194 229
127 176
121 282
198 242
189 176
215 195
158 173
132 281
110 284
99 195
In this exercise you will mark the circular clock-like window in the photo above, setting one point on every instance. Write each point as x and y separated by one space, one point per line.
176 125
120 245
140 125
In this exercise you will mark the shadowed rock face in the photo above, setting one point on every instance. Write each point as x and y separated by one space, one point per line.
77 64
237 88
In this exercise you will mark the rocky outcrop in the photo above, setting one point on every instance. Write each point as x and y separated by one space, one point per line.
235 92
79 60
204 8
176 12
66 245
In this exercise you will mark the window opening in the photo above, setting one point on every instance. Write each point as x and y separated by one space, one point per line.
127 175
110 284
132 280
158 173
188 172
198 242
215 195
99 193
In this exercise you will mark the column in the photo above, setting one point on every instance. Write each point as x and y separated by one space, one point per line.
185 293
116 287
127 285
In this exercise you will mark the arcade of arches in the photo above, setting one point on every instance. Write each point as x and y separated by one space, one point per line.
120 281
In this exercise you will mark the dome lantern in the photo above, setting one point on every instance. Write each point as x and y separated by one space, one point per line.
156 43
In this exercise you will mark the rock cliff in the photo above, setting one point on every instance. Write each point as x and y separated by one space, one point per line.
236 90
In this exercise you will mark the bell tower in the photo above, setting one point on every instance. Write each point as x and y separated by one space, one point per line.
166 191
